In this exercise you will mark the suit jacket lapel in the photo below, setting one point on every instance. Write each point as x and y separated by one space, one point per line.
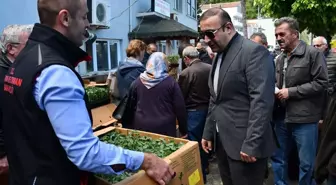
226 63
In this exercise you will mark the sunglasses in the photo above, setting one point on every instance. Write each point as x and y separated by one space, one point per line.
210 33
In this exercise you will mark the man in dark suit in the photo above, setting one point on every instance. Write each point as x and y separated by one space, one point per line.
242 83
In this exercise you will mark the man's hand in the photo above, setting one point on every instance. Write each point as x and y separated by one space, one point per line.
3 165
184 137
157 169
320 124
246 158
283 94
206 145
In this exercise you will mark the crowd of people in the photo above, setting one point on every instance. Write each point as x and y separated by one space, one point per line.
244 104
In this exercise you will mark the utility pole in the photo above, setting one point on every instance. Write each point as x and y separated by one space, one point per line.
258 11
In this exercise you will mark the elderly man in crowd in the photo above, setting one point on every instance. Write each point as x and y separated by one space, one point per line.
302 79
261 38
12 41
321 43
193 82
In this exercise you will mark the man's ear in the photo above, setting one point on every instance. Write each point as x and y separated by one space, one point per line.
64 18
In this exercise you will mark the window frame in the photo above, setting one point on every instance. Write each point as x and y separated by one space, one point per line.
191 7
82 69
178 6
95 64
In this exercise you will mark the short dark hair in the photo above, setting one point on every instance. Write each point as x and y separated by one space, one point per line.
261 35
49 9
293 23
222 14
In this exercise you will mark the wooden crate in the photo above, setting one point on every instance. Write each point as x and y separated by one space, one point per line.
185 162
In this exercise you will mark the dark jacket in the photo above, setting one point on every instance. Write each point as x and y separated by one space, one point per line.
158 108
325 164
242 107
204 57
4 66
331 65
34 151
306 80
127 72
145 59
193 82
279 111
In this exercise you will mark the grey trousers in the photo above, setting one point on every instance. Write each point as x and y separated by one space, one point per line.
235 172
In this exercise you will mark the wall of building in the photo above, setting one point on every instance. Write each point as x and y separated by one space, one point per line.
182 16
18 12
236 16
109 49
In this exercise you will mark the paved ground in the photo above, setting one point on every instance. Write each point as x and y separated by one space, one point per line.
214 177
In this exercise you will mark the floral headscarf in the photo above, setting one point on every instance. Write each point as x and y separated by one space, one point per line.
156 70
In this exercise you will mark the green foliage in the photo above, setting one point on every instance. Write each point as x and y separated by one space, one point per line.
97 94
315 15
173 59
133 141
251 10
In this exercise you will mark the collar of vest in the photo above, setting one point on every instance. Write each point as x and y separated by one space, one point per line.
4 61
56 40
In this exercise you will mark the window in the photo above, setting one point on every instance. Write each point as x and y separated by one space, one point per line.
105 56
161 46
178 5
102 55
89 65
114 56
191 8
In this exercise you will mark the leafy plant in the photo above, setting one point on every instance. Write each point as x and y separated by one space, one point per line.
314 15
133 141
97 94
173 59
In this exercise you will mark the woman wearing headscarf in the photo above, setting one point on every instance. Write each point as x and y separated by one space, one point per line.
159 100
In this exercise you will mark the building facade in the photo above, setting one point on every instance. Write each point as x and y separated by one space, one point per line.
112 21
265 25
233 9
